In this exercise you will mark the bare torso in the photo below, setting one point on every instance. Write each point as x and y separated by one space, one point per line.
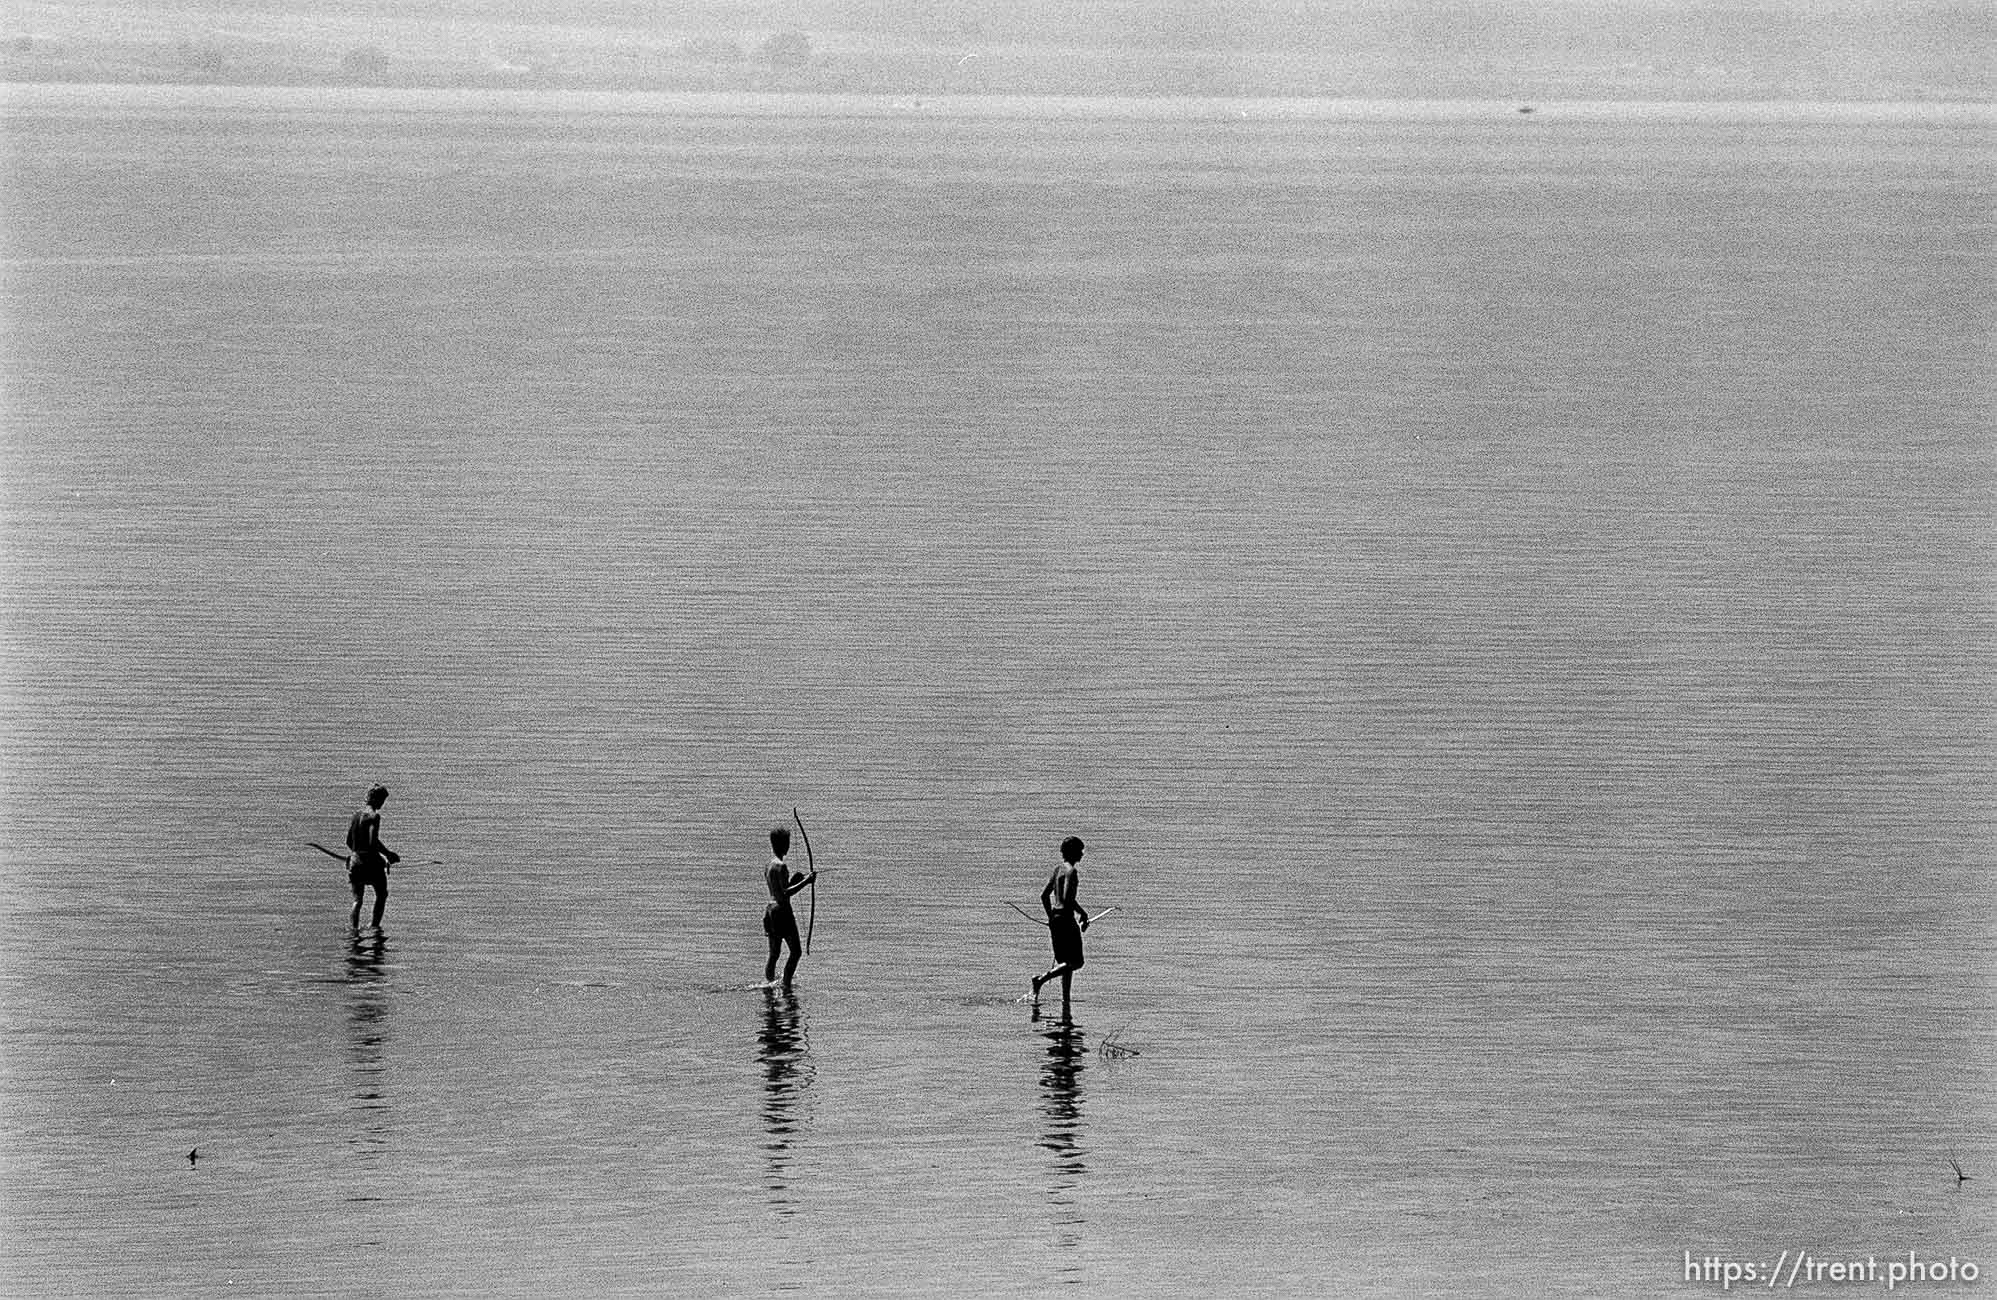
364 835
1059 896
776 877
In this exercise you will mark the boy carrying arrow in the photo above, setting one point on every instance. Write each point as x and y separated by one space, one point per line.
1058 898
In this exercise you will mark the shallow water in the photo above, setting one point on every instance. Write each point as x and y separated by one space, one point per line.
1507 601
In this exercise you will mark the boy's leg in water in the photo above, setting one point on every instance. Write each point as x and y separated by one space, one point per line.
354 921
790 967
380 898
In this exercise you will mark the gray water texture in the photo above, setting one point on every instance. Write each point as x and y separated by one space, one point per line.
1508 602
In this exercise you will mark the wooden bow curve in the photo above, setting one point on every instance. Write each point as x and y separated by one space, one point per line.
811 865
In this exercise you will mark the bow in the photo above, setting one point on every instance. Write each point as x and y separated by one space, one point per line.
393 861
1093 916
811 864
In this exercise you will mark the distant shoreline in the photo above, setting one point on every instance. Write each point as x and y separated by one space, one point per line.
1586 51
446 99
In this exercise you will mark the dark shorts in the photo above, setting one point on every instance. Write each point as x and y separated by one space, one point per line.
780 923
1067 935
363 874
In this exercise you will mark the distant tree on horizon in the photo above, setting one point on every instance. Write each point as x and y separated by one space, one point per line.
787 50
365 63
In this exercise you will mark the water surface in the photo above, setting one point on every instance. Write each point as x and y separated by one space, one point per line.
1507 601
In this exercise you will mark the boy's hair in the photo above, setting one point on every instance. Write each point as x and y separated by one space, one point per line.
1071 850
780 840
378 796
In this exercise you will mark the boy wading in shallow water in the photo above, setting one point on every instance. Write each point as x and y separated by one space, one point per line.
1062 926
368 858
779 922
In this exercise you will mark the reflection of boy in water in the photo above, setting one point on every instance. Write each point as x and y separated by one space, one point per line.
779 922
1062 910
368 858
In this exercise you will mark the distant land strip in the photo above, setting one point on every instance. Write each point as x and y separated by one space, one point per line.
1357 51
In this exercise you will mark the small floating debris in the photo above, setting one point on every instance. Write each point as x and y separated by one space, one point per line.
1113 1049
